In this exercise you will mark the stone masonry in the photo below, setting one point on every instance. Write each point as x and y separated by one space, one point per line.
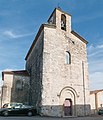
15 87
58 87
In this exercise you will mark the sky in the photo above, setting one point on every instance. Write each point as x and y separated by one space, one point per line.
21 19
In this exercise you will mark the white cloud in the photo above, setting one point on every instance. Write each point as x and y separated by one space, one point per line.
95 58
8 69
11 34
96 80
95 50
100 46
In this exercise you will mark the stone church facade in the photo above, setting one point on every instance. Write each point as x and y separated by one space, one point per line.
57 66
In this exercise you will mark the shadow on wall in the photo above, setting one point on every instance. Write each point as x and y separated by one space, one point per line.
20 91
34 64
65 111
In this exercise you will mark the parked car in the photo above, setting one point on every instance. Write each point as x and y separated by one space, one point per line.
100 111
18 109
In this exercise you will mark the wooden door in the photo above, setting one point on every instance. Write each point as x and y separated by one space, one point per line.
67 107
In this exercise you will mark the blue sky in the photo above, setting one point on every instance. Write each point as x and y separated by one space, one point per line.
21 19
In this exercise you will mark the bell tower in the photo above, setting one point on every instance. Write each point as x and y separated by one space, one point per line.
61 19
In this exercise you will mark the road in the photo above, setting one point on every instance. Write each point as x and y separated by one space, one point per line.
49 118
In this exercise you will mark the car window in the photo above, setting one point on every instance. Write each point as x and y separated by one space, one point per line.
12 105
26 106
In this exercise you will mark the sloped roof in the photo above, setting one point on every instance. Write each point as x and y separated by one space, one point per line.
96 91
36 38
19 72
59 10
78 36
51 26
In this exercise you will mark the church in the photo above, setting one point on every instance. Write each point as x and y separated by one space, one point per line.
57 69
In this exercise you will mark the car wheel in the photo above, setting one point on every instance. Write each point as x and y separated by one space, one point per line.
30 113
5 113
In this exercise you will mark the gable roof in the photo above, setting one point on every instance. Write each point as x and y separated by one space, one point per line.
52 26
36 38
59 10
20 72
78 36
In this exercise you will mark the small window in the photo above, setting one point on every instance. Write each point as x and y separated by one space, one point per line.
19 85
68 58
63 22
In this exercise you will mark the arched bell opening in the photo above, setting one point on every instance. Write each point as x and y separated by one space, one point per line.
63 22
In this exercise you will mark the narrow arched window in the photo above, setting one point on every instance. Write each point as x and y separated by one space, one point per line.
68 58
63 22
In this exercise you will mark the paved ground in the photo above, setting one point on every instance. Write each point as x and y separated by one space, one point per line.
50 118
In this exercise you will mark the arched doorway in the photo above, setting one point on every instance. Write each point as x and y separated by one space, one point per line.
68 97
67 107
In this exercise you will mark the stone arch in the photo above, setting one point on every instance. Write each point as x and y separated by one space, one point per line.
71 89
63 22
71 94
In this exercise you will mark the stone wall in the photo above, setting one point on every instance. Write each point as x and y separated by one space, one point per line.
34 65
6 89
21 94
92 102
9 91
52 80
58 75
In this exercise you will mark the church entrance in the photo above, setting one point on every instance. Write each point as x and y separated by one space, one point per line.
68 107
68 97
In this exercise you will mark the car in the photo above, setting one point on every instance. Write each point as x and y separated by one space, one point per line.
100 111
18 109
